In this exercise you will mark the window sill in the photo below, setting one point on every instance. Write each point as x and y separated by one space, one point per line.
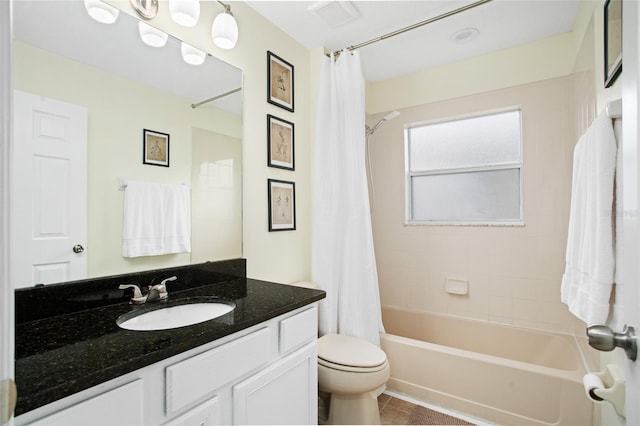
509 223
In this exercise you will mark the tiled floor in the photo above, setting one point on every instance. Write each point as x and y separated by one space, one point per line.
395 411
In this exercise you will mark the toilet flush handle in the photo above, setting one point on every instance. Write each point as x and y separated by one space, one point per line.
603 338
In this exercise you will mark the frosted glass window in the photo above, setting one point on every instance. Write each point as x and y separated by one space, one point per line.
489 139
487 195
465 170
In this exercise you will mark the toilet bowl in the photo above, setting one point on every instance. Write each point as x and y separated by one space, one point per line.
351 370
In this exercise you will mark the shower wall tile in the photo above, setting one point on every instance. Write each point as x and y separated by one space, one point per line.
500 307
514 272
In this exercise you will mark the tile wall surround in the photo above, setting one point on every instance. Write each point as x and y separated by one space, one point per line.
515 272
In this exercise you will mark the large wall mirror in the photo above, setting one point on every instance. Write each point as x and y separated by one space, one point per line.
125 87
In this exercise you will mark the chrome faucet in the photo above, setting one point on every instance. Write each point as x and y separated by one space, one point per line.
156 292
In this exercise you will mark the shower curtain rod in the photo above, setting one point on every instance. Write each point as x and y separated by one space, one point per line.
412 27
230 92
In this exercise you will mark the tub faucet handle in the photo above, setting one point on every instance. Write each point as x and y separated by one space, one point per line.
603 338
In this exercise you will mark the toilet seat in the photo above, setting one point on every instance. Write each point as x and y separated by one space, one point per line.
347 353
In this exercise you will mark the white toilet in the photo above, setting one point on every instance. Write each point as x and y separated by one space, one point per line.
351 370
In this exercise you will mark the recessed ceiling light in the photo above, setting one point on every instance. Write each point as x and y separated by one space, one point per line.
334 13
465 35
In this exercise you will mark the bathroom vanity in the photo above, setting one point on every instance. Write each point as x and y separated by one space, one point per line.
254 365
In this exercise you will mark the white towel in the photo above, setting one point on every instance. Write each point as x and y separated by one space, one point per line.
590 264
177 219
157 219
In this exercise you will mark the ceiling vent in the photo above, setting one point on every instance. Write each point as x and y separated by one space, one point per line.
334 13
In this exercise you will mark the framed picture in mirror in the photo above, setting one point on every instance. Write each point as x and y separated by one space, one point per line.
280 146
282 205
612 41
155 148
279 82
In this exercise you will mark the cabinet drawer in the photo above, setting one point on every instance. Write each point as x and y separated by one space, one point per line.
190 380
119 406
298 329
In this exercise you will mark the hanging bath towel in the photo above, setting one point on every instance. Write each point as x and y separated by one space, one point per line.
590 260
157 219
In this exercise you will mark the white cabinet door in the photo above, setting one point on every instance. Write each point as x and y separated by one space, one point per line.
207 414
121 406
283 393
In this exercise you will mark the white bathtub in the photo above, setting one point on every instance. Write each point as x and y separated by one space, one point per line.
505 375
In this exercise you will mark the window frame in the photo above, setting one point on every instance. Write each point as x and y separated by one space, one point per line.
508 165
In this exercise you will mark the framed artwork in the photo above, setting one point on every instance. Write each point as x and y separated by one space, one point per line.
612 41
155 148
279 82
281 144
282 205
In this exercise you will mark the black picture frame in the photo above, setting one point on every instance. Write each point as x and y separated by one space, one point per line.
155 148
280 143
280 82
612 41
282 205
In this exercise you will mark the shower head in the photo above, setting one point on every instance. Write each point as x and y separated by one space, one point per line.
390 116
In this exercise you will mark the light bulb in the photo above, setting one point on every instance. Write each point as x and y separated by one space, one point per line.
101 12
224 31
185 12
191 55
152 36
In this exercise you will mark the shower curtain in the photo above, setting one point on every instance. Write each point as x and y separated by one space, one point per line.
343 258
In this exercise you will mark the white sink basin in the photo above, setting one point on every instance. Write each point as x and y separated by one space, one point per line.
175 316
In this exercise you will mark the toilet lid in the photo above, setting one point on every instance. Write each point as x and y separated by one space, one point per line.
349 351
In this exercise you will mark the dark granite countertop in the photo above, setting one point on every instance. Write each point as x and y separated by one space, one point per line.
58 355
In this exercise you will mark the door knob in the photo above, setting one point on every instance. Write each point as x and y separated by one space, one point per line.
78 248
603 338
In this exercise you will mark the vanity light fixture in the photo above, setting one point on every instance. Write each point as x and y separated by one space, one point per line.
224 30
101 12
185 12
191 55
151 35
147 9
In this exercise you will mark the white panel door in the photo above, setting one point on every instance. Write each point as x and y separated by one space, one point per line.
631 196
49 191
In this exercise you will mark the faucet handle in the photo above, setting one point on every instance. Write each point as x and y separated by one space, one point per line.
168 279
137 294
136 289
159 291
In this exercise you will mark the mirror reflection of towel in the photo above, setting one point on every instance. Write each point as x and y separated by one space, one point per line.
157 219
